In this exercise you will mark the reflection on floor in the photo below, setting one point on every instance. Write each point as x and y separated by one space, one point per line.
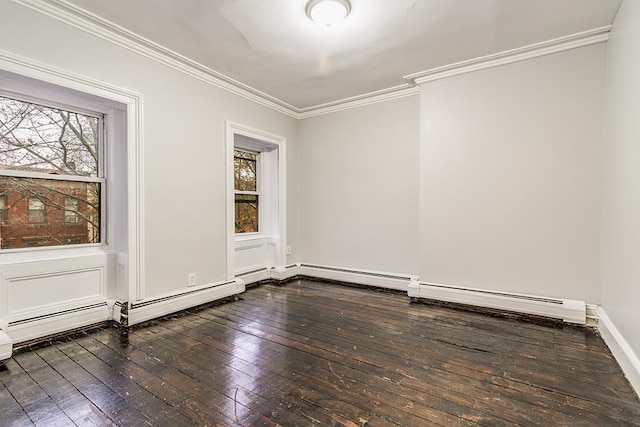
309 352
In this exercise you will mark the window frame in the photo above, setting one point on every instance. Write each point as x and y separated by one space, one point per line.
257 193
273 238
74 104
123 160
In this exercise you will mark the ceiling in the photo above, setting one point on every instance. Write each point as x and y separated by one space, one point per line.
271 45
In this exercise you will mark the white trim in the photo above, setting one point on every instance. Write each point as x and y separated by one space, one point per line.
592 314
570 311
135 197
257 274
389 94
60 322
6 345
134 146
243 243
253 275
314 271
77 17
620 348
79 299
561 44
284 273
363 277
86 21
54 177
274 231
152 308
116 311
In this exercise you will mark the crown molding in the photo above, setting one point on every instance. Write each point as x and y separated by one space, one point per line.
70 14
585 38
360 100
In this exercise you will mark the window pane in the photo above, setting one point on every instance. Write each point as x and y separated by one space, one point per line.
44 139
71 210
3 208
36 210
246 213
244 170
39 212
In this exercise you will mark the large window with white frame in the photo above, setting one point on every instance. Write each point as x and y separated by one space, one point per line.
52 175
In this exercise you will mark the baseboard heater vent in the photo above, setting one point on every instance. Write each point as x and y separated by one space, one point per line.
570 311
141 311
180 295
57 314
371 278
257 270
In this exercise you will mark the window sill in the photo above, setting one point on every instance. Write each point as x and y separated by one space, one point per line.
51 253
249 236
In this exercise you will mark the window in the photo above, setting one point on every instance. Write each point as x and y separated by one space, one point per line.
51 170
4 208
256 199
36 210
70 210
246 189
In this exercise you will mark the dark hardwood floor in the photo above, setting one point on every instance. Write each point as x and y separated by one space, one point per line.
315 353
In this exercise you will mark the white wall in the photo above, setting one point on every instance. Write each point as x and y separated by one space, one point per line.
621 184
510 177
184 137
358 181
487 180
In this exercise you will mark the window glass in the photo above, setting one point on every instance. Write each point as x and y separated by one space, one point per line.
4 208
71 209
50 176
36 210
51 212
247 212
245 168
44 139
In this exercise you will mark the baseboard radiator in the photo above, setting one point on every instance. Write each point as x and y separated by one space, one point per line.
362 277
569 311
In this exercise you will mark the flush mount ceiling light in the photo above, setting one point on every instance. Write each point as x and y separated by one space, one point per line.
328 13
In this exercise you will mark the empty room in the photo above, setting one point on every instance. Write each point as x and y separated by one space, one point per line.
319 212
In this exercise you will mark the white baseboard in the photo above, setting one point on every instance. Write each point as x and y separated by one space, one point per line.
152 308
570 311
6 345
592 314
284 273
26 329
621 350
259 274
116 310
362 277
253 275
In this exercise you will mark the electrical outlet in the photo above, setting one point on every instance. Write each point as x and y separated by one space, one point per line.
191 281
288 250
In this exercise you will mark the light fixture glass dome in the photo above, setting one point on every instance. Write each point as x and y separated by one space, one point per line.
328 13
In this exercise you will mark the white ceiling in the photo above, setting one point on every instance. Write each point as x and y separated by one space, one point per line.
273 47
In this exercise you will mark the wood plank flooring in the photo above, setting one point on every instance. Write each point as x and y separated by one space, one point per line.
310 353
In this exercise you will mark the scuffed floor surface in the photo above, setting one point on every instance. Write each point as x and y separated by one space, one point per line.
315 353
